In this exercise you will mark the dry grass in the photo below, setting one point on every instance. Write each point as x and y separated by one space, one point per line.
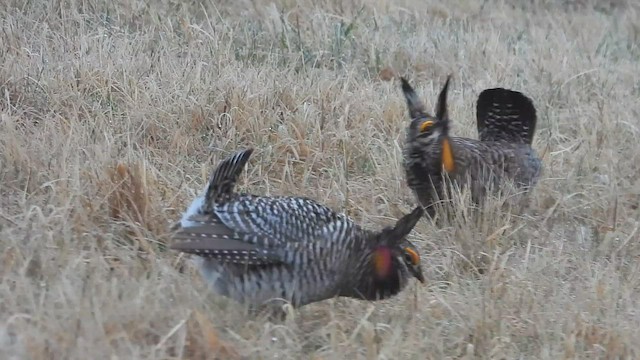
109 111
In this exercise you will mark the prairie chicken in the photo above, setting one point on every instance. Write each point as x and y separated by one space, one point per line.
506 122
254 249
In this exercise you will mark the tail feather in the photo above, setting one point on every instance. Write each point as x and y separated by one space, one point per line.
505 115
224 177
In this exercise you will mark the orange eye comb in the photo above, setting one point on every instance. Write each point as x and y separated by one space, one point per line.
426 125
415 258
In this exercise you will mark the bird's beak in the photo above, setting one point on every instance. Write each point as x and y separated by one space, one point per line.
417 272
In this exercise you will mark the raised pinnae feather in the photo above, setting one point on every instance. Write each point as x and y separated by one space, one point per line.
505 115
441 106
414 104
405 225
224 177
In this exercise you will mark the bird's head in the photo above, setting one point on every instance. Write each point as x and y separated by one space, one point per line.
428 132
394 259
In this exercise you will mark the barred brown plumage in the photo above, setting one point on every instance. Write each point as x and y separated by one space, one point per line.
255 248
506 122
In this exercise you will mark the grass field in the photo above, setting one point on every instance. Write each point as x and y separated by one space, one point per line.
112 114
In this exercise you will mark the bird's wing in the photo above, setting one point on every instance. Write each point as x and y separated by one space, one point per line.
210 238
274 222
256 230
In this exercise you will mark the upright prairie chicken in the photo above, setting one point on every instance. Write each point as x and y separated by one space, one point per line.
506 122
253 248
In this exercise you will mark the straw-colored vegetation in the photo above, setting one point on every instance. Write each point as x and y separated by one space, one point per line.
112 114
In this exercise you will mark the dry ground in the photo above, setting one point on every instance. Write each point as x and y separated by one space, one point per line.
112 113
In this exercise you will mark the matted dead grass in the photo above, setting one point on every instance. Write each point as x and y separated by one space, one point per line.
112 114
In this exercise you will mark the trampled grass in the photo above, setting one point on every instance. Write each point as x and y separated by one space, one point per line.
112 114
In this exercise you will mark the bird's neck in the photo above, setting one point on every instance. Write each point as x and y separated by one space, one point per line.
379 278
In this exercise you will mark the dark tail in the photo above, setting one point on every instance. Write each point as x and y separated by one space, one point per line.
224 177
505 115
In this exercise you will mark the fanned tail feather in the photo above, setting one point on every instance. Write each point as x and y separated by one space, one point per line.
505 115
224 177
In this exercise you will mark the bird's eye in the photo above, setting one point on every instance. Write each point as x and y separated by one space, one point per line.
426 125
411 256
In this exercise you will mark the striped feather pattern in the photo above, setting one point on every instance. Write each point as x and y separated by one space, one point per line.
254 248
506 123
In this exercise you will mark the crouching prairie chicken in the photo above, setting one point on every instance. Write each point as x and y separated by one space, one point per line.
506 122
255 248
